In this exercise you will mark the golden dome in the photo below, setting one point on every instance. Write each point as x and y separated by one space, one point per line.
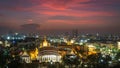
45 43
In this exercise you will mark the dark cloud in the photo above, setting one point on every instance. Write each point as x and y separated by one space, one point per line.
15 5
101 2
30 28
33 26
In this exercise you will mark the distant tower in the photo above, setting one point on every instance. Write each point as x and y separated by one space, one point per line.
75 33
66 34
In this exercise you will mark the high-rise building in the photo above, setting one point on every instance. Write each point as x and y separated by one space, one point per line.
75 33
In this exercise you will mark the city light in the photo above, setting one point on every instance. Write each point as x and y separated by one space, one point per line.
59 34
8 38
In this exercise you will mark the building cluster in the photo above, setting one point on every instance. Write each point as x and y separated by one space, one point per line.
50 49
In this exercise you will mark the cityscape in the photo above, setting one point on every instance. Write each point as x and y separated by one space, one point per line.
62 51
59 34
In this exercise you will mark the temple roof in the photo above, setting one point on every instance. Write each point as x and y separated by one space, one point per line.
25 54
48 51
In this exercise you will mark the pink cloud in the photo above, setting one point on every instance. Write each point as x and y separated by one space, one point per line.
81 13
67 4
80 22
57 24
66 8
30 21
57 4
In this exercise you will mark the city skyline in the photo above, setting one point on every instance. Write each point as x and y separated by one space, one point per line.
56 16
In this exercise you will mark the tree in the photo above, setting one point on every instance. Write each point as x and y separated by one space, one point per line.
118 55
71 60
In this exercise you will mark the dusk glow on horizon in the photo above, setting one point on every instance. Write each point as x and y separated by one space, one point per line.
48 16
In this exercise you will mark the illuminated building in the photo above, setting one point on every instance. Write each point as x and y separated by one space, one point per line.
70 42
118 45
15 36
25 57
48 53
91 49
45 53
45 43
1 43
34 54
7 44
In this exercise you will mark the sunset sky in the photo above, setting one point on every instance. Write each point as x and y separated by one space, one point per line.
55 16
